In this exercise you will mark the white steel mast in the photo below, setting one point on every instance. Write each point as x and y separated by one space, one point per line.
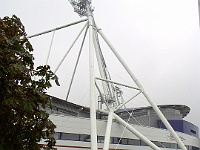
109 91
108 96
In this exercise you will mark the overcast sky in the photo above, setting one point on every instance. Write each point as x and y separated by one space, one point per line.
158 39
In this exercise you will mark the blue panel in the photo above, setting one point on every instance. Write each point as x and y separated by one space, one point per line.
191 129
181 126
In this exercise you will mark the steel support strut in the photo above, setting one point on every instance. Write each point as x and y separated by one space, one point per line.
108 131
70 48
152 103
58 28
135 132
77 61
93 126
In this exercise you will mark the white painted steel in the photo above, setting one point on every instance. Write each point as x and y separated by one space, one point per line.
93 126
118 83
199 10
99 61
58 28
123 104
103 111
70 48
135 132
102 97
50 48
93 45
108 131
74 71
152 103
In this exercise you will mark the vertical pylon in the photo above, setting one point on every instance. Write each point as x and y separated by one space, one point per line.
93 126
109 94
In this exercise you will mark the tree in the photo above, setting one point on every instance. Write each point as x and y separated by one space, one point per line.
23 121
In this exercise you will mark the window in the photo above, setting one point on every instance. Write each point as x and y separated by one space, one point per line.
85 137
143 143
116 140
189 147
69 136
100 139
195 148
133 142
166 145
157 143
194 132
174 145
124 141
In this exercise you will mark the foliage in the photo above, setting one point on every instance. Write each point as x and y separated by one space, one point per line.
23 121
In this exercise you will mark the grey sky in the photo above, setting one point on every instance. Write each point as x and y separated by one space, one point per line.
158 39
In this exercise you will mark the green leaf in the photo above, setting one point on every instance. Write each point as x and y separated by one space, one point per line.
56 80
9 101
22 121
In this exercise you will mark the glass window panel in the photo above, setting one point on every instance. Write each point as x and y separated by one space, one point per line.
143 143
100 139
195 148
173 145
189 147
157 143
116 140
166 145
85 137
133 142
69 136
124 141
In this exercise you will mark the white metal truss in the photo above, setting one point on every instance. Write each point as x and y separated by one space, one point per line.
109 93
